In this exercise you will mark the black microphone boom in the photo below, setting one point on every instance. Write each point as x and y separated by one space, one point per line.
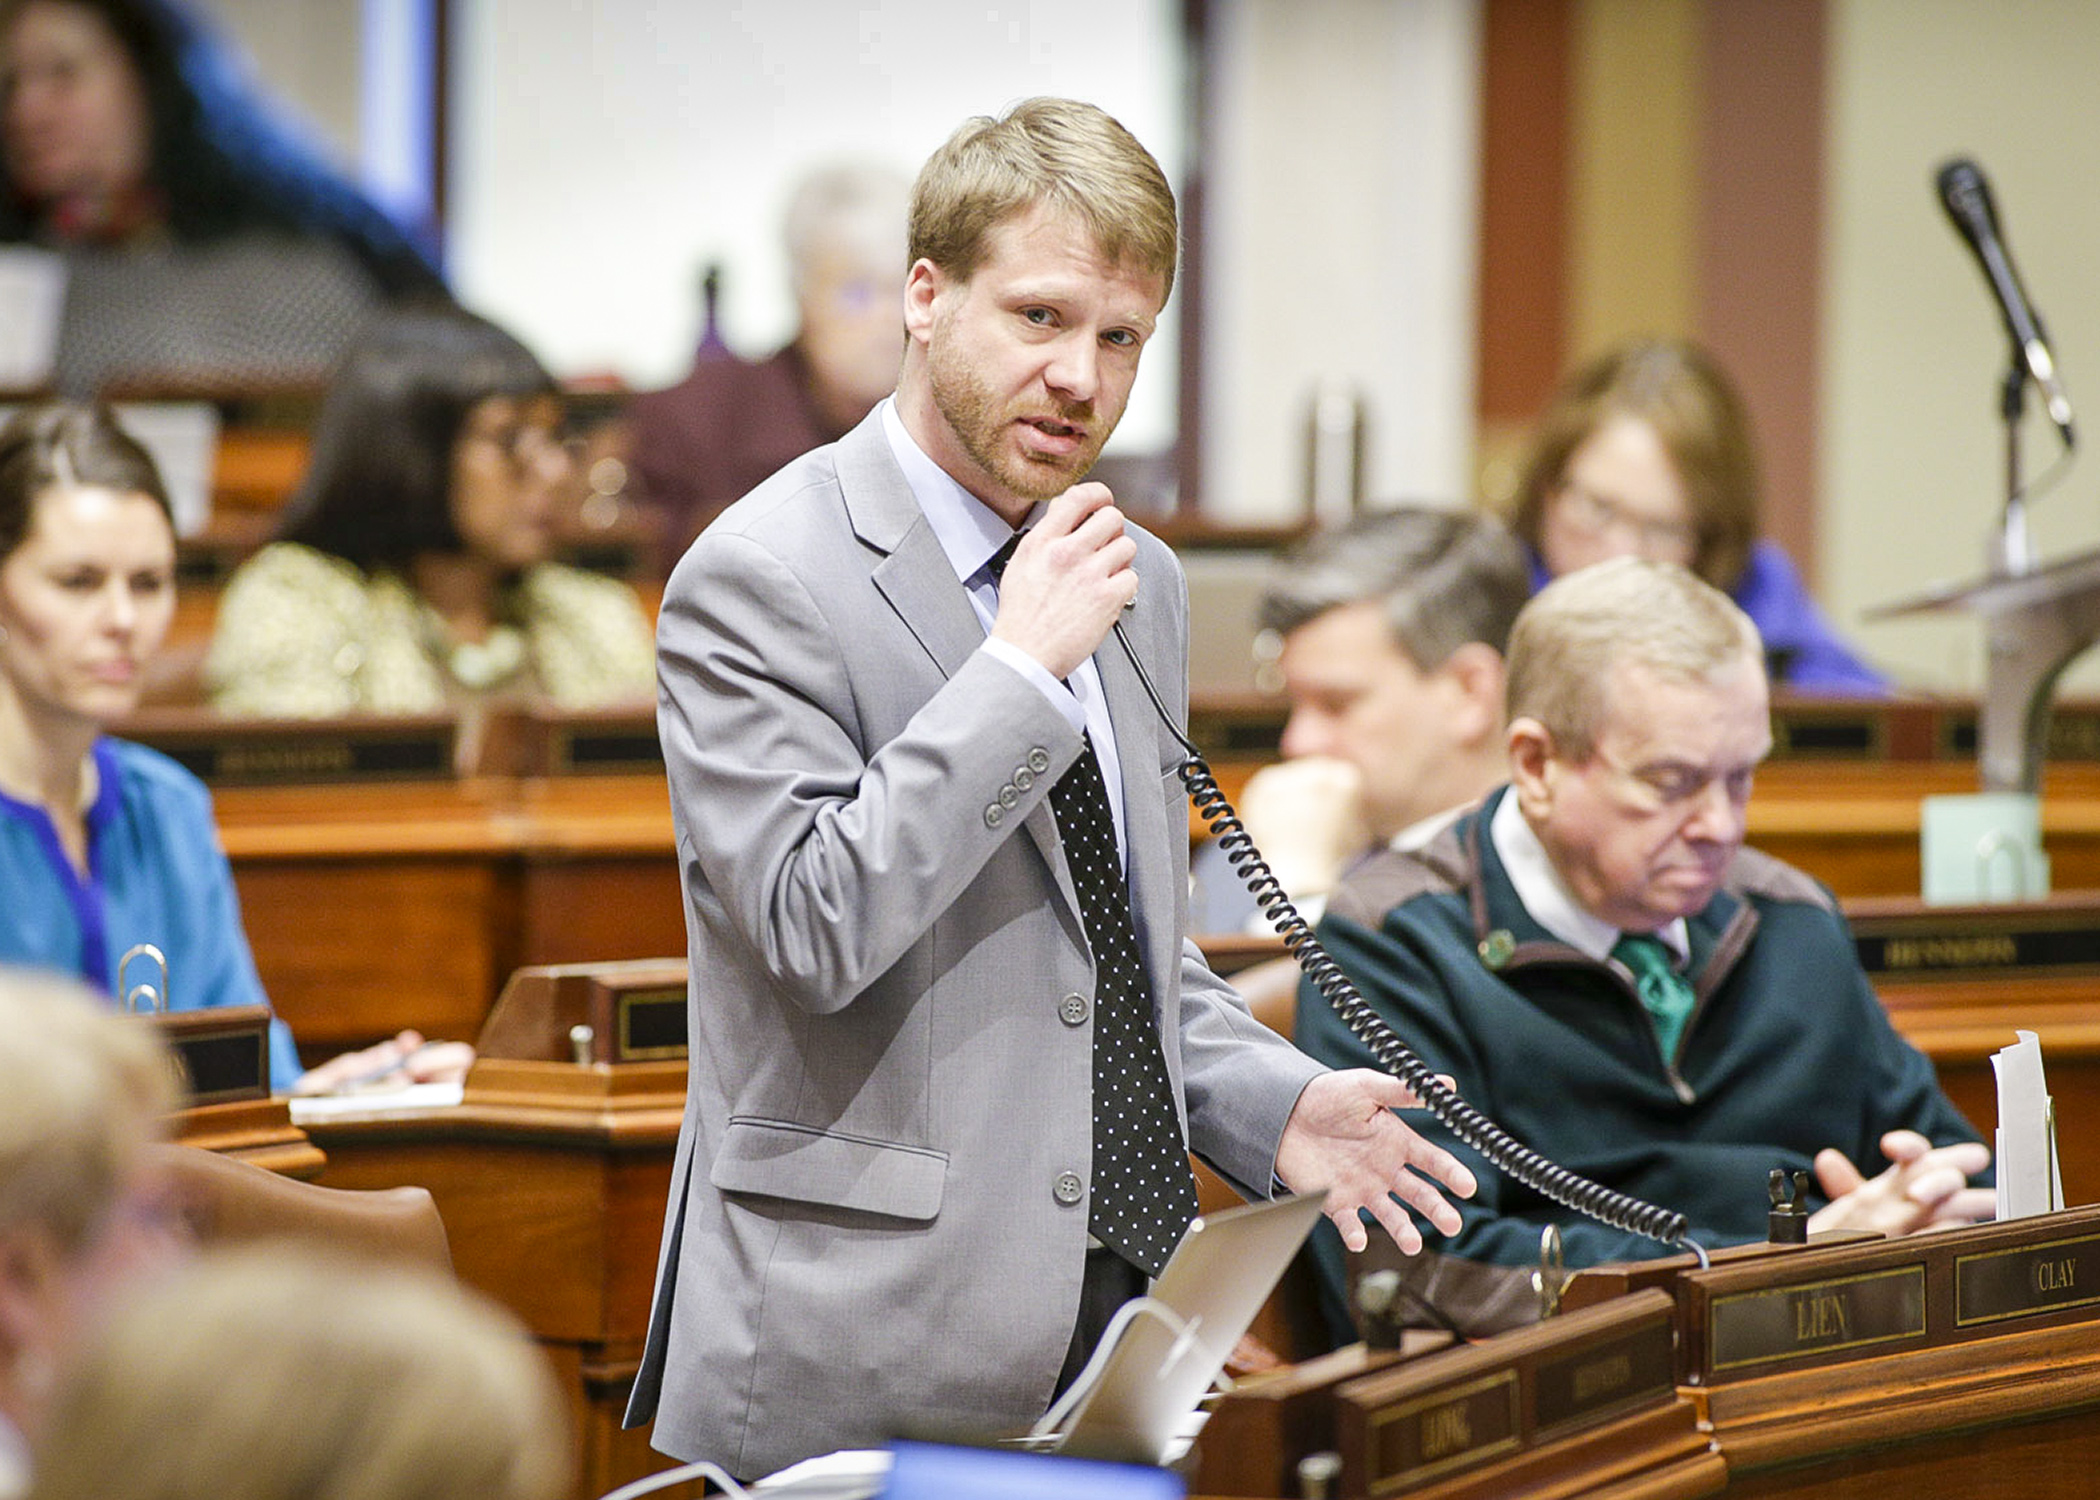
1967 197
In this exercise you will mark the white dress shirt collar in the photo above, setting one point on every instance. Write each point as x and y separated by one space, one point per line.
968 530
1546 896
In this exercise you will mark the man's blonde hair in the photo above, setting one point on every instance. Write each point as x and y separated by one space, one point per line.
1576 631
82 1092
1057 153
267 1372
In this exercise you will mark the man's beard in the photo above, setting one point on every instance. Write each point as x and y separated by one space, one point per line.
981 427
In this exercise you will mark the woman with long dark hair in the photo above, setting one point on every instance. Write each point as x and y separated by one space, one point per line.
412 574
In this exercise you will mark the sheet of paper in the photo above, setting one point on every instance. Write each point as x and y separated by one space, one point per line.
375 1101
2028 1179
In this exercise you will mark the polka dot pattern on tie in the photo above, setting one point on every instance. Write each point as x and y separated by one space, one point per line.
1143 1193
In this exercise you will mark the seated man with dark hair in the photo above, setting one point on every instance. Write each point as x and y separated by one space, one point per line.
1608 973
1392 628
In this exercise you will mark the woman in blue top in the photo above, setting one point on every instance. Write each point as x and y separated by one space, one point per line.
1646 451
103 844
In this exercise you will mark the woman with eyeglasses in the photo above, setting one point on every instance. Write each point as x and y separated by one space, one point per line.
1646 451
412 573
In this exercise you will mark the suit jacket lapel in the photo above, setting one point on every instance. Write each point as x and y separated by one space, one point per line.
915 576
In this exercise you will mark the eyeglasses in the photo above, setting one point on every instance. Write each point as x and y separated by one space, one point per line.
1596 514
526 444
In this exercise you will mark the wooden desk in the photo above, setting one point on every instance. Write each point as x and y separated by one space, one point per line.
376 906
1959 1382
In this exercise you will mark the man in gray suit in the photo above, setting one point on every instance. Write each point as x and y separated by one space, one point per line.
901 1199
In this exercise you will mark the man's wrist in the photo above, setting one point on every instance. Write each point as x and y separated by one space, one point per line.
1037 673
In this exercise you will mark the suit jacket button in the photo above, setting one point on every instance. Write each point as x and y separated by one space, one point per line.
1039 760
994 815
1072 1010
1008 796
1068 1189
1024 778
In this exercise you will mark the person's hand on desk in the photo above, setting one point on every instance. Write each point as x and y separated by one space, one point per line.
397 1062
1343 1137
1925 1187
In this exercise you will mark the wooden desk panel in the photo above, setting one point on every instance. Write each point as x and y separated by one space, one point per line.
353 950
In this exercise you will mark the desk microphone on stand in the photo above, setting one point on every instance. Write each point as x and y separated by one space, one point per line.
1967 198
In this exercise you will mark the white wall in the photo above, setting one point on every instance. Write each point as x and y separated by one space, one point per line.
1342 239
605 152
1912 452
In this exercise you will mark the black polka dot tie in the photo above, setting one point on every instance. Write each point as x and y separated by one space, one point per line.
1143 1193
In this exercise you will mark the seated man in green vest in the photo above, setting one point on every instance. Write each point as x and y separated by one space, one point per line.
1609 974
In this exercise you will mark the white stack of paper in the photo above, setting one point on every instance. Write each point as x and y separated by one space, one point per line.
2028 1179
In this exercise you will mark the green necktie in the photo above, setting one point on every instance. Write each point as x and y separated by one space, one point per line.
1665 994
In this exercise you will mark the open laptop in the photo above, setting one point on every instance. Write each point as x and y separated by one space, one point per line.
1223 1270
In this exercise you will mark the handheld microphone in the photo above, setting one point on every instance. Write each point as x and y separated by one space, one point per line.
1967 197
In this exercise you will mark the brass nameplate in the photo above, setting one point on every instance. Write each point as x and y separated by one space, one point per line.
1819 1317
651 1024
220 1069
1949 953
1604 1380
1806 734
1407 1445
246 758
223 1051
610 749
2001 1284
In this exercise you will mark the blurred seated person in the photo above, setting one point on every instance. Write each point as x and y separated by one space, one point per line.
84 1204
203 237
269 1373
730 423
1392 629
1606 972
1646 451
412 574
103 844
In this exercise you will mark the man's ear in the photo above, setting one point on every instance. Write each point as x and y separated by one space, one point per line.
923 285
29 1270
1534 770
1475 670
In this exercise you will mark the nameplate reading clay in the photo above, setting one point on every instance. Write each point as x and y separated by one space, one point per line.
1748 1329
2000 1284
1412 1443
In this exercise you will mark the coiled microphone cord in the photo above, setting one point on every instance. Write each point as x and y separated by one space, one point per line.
1509 1155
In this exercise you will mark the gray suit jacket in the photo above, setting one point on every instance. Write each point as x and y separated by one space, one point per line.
872 1223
